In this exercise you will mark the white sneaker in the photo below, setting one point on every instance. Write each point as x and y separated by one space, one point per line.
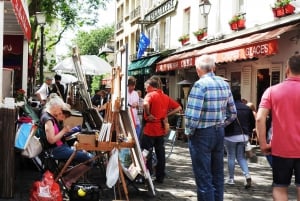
230 182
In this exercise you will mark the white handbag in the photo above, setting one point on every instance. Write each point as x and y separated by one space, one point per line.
33 147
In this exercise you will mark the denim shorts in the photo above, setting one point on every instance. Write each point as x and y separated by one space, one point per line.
283 170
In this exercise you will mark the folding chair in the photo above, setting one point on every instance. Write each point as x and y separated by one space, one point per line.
170 142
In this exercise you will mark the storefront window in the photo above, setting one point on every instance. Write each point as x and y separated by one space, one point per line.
236 81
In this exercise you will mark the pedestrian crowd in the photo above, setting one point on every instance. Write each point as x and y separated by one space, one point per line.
217 121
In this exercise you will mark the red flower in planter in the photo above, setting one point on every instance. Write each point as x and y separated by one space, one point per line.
237 22
282 8
289 9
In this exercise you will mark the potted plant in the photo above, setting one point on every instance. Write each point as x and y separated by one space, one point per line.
184 38
282 8
200 33
237 22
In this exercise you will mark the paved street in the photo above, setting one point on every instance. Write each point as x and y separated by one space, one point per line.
179 184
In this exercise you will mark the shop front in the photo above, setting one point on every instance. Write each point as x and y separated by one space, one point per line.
251 63
15 35
142 69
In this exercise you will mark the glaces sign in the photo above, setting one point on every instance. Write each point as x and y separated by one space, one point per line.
259 49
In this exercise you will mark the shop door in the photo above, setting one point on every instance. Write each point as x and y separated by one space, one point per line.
262 83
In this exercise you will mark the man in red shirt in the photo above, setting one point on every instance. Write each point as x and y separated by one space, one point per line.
157 107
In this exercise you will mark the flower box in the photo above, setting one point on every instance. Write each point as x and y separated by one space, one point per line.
282 8
200 36
278 12
200 33
237 22
184 39
289 9
241 24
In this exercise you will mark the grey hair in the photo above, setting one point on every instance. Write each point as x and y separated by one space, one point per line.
205 62
54 101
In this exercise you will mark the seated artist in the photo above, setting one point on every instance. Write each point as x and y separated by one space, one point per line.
55 111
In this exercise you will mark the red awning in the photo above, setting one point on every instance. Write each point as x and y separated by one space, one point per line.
256 45
22 18
177 61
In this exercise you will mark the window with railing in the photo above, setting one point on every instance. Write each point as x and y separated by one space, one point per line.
135 13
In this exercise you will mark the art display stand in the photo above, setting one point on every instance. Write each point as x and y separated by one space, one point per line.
117 131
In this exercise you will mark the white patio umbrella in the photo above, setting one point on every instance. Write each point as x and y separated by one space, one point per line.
91 65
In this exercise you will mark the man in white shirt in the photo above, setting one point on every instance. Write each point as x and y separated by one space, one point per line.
43 92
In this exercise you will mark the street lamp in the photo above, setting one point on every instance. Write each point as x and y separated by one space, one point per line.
205 9
41 20
108 53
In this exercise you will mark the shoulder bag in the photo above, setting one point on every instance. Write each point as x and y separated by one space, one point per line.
248 148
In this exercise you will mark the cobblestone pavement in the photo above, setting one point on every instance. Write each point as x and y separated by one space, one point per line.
179 184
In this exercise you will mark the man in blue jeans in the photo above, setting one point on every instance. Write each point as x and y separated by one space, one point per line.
209 108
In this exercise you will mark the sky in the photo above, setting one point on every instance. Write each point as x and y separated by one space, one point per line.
105 17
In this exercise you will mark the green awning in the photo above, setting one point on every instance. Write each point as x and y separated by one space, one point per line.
142 66
143 63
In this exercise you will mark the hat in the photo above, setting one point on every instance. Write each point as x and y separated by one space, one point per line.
49 78
66 108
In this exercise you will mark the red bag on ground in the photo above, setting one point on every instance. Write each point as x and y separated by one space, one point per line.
46 189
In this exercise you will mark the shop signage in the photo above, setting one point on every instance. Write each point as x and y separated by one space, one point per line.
248 52
22 18
182 63
231 54
261 49
161 10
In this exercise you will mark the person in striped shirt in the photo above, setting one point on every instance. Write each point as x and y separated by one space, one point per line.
210 107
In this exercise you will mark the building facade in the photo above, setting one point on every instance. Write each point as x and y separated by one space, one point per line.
251 54
15 34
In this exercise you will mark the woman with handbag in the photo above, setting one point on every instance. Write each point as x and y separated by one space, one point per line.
236 138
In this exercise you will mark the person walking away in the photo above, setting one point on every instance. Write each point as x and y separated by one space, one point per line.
58 88
282 102
43 92
210 107
236 138
133 103
157 107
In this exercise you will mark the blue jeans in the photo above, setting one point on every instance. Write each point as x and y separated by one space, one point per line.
64 152
207 152
236 150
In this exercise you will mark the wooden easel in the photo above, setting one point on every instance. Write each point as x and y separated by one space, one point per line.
121 133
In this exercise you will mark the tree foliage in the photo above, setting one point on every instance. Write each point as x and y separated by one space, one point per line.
67 13
90 42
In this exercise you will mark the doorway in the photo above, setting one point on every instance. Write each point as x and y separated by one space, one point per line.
263 82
